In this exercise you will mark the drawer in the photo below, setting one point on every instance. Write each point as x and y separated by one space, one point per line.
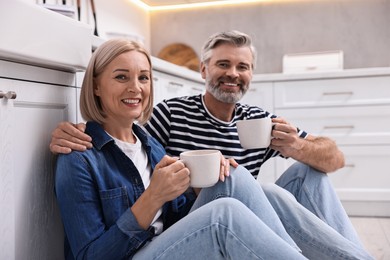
366 174
333 92
261 95
346 125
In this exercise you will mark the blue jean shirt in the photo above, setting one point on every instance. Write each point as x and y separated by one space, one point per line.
95 190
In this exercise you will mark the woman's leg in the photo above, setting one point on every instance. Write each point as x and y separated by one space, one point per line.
315 192
242 186
222 229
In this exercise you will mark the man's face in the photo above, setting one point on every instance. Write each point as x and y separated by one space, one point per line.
228 72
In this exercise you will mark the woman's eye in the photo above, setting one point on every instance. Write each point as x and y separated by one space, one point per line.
121 77
144 78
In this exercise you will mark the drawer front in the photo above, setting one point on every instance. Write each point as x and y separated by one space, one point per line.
345 125
261 95
366 175
333 92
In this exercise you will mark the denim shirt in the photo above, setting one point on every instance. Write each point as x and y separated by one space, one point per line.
95 190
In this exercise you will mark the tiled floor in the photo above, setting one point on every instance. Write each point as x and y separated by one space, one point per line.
375 235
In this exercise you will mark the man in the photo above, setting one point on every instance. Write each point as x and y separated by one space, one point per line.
209 122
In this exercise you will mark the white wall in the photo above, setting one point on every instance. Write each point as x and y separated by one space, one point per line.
360 28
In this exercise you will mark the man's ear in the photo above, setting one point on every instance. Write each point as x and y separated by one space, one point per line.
203 70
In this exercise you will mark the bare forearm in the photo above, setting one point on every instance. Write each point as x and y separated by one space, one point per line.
145 209
320 153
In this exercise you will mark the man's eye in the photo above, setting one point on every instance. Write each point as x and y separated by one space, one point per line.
243 68
223 65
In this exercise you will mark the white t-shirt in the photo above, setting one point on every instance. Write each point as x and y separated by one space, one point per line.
138 156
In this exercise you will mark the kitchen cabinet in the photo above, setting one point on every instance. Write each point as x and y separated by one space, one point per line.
355 112
30 224
175 83
260 94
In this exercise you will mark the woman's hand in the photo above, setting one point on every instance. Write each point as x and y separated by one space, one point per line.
225 167
170 179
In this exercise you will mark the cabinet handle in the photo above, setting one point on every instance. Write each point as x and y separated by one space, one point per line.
8 95
197 89
339 127
349 165
338 93
171 83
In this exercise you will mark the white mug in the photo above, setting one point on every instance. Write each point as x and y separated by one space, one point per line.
204 166
255 133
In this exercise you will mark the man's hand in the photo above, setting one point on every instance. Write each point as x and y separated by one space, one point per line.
67 137
285 138
319 152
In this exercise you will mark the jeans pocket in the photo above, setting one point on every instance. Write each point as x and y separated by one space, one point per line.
114 203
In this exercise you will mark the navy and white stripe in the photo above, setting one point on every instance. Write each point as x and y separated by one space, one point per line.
183 123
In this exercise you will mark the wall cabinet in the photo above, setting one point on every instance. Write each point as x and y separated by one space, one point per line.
30 225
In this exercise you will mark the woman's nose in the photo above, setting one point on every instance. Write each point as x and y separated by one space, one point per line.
134 86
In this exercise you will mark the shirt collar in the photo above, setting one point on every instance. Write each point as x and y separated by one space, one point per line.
100 138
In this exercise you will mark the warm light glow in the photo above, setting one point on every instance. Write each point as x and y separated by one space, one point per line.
195 5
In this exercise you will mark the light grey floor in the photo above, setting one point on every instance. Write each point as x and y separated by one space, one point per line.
375 235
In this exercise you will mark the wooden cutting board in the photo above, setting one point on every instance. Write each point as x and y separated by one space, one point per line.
180 54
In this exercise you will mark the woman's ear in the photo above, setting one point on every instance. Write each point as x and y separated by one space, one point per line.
96 89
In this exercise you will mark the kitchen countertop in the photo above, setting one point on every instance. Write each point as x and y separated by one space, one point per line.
363 72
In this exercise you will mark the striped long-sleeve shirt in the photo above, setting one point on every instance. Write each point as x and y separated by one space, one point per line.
184 123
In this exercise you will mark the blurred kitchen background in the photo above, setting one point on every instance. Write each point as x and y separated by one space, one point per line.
322 64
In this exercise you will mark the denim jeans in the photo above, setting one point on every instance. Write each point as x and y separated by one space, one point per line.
234 220
313 190
231 220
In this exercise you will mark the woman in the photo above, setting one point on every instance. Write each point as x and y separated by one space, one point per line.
125 198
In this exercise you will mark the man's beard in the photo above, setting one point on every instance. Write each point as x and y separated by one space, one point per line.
225 96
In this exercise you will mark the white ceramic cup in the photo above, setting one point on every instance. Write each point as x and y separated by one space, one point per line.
204 166
255 133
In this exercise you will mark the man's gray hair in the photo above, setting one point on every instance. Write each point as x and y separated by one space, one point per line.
235 38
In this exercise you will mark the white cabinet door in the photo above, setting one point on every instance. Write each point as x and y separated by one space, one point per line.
333 92
346 125
31 227
168 86
261 95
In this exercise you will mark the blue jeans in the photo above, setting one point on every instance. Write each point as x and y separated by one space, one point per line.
231 220
313 190
235 220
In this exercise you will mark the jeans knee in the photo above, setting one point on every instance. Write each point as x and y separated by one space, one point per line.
240 176
275 192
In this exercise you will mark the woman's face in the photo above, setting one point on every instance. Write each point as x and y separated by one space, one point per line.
124 87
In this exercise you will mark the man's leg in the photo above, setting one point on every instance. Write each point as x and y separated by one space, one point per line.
315 238
314 191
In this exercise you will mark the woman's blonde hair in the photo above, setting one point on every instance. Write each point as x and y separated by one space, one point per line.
90 105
